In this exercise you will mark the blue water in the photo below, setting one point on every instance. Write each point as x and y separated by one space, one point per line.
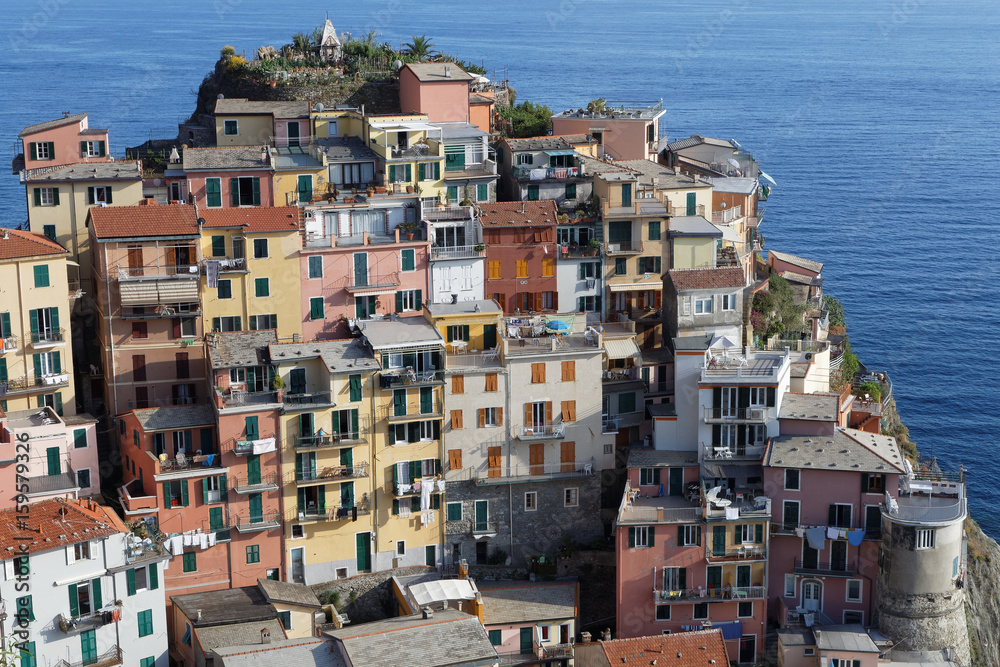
878 120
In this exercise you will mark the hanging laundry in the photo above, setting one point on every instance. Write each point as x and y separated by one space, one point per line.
263 446
816 537
832 533
855 537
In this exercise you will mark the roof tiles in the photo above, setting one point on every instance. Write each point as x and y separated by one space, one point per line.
16 244
519 213
686 649
49 124
707 278
225 158
257 219
110 222
55 523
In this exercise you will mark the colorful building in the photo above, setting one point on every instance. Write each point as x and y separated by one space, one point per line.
538 621
239 122
227 176
521 255
623 130
439 90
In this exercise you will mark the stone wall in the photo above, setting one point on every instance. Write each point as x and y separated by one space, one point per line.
374 598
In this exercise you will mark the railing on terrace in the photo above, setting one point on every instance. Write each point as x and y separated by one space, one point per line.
484 527
684 211
609 425
395 379
546 173
550 651
155 312
573 251
458 252
328 513
125 273
48 336
912 509
713 594
750 508
539 431
646 514
113 656
842 568
8 344
439 213
753 415
739 552
262 521
264 482
727 215
620 247
227 264
414 410
737 367
285 142
484 168
184 463
525 472
620 374
798 617
796 345
29 382
237 397
734 452
313 398
330 473
323 440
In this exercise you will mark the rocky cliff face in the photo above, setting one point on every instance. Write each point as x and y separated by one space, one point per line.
982 597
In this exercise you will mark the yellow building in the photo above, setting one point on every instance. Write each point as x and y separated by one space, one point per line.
242 122
300 173
256 253
327 457
36 357
409 413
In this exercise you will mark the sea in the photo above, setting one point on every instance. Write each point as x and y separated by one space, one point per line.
877 119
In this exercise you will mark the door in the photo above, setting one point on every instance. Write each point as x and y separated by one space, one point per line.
306 426
482 515
790 516
812 594
297 381
363 551
399 402
536 458
347 495
360 269
743 576
253 469
692 203
810 557
482 553
293 133
489 336
748 649
135 261
430 555
52 456
426 400
256 507
88 647
718 540
676 482
626 194
538 416
298 565
564 633
567 457
713 579
493 461
347 460
873 521
838 555
526 640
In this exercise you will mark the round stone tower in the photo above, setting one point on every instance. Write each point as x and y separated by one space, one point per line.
921 599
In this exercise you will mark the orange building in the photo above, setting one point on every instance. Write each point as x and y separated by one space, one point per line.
521 255
440 90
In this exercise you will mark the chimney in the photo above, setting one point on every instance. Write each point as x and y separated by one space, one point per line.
197 615
677 170
427 612
584 637
606 634
265 636
264 154
447 71
6 235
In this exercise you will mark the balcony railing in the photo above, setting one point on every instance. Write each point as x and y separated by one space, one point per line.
527 472
8 344
545 173
739 552
243 484
542 431
458 252
842 568
734 415
713 594
408 489
409 411
183 463
489 527
609 425
323 440
550 651
313 398
451 212
113 656
622 247
727 215
927 510
330 473
156 271
48 337
683 211
620 374
738 452
577 251
401 378
239 397
262 521
329 513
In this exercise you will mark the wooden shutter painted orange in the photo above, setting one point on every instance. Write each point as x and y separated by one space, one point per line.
536 458
456 419
567 456
548 412
493 461
455 459
458 384
538 373
482 417
499 416
491 382
569 411
527 415
568 371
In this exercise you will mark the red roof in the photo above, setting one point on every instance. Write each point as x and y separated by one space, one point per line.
143 220
707 278
15 244
258 219
51 524
700 648
540 213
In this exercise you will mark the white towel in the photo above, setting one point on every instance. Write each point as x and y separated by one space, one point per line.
263 446
423 518
176 545
188 540
425 495
732 513
832 533
203 540
212 539
440 486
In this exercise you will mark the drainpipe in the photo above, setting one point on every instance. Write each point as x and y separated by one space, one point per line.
510 484
114 592
111 337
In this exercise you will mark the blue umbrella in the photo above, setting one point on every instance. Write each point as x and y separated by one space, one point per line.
558 325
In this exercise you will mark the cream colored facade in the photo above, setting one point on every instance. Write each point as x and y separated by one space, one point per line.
252 129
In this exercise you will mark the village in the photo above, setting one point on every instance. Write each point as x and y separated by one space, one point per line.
318 386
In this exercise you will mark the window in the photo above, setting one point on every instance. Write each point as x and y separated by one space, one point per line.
230 128
545 632
316 308
408 259
81 551
532 193
663 612
744 533
872 483
569 371
354 385
538 373
41 275
245 191
522 158
298 531
654 230
79 438
175 493
146 620
458 384
925 538
43 150
188 326
305 188
483 192
621 266
46 196
190 561
648 265
522 269
588 270
400 547
494 270
808 652
489 417
454 511
83 478
689 536
218 246
703 305
496 638
253 554
140 330
844 662
568 411
213 192
452 193
99 194
408 301
850 617
840 515
588 304
791 479
530 501
261 287
225 289
260 248
458 332
626 403
262 322
548 267
22 567
649 476
729 302
854 588
148 662
700 612
315 266
227 324
491 382
25 610
789 585
758 398
744 610
570 191
571 497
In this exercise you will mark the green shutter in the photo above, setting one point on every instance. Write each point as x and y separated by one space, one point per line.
437 171
395 506
256 191
5 325
34 151
41 275
55 196
409 173
252 428
154 577
420 171
392 173
96 593
83 149
758 536
56 362
38 194
52 150
59 405
418 301
650 539
54 313
37 358
107 194
483 192
74 601
631 536
234 192
91 196
222 487
102 152
409 259
184 492
218 246
216 324
399 302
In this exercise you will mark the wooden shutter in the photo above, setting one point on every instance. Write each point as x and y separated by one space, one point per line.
499 416
454 459
527 415
234 192
256 191
493 461
569 411
548 412
491 382
569 371
458 384
536 458
481 414
567 456
456 419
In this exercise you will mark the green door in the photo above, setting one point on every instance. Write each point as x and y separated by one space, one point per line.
692 203
430 555
253 469
360 269
482 510
399 402
526 640
676 482
293 133
52 454
347 494
454 161
718 540
297 381
256 508
363 549
426 400
743 576
306 424
489 336
347 460
88 646
626 194
305 189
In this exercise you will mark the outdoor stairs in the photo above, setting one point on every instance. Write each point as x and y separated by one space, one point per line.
771 648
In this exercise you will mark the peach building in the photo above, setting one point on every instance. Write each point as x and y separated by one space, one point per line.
228 176
440 90
624 130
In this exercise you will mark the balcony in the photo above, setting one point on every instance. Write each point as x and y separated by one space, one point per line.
484 528
412 411
542 432
574 251
408 490
243 484
162 312
740 553
727 216
304 400
926 510
685 211
554 651
414 152
620 375
48 338
29 383
529 473
328 513
441 213
802 617
43 485
329 474
137 504
263 521
81 623
371 281
157 271
321 440
609 424
229 264
753 509
188 464
740 452
623 247
472 170
458 252
8 344
402 378
111 657
711 594
736 415
821 568
755 367
546 173
237 398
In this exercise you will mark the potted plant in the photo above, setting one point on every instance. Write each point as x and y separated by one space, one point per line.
409 189
370 190
479 247
409 228
277 385
593 246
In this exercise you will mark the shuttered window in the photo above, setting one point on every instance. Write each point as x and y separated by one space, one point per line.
538 373
568 371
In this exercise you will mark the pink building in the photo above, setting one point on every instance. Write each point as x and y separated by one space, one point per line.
363 277
683 562
67 140
228 176
827 484
536 620
623 130
440 90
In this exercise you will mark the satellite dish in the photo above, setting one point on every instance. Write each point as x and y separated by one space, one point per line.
735 143
398 64
158 182
319 107
220 96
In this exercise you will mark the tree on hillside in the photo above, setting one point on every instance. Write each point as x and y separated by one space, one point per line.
526 119
420 48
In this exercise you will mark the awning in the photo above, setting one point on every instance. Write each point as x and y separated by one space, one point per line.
178 291
396 126
138 294
621 348
729 234
151 293
636 287
733 470
562 151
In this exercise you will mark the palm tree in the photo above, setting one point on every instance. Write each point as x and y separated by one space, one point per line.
420 47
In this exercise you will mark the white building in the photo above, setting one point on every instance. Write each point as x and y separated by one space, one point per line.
457 255
84 591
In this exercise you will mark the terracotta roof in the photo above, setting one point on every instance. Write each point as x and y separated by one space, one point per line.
47 528
436 72
278 109
49 124
126 170
15 244
225 158
686 649
110 222
257 219
808 264
707 278
519 213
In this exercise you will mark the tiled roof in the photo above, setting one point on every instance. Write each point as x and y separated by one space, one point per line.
707 278
661 458
94 130
810 407
347 148
175 417
811 265
546 143
49 124
436 72
236 349
661 176
306 652
110 222
15 244
279 109
522 602
237 634
340 356
225 158
846 450
256 219
475 98
697 140
229 605
686 649
129 170
519 213
288 593
51 524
